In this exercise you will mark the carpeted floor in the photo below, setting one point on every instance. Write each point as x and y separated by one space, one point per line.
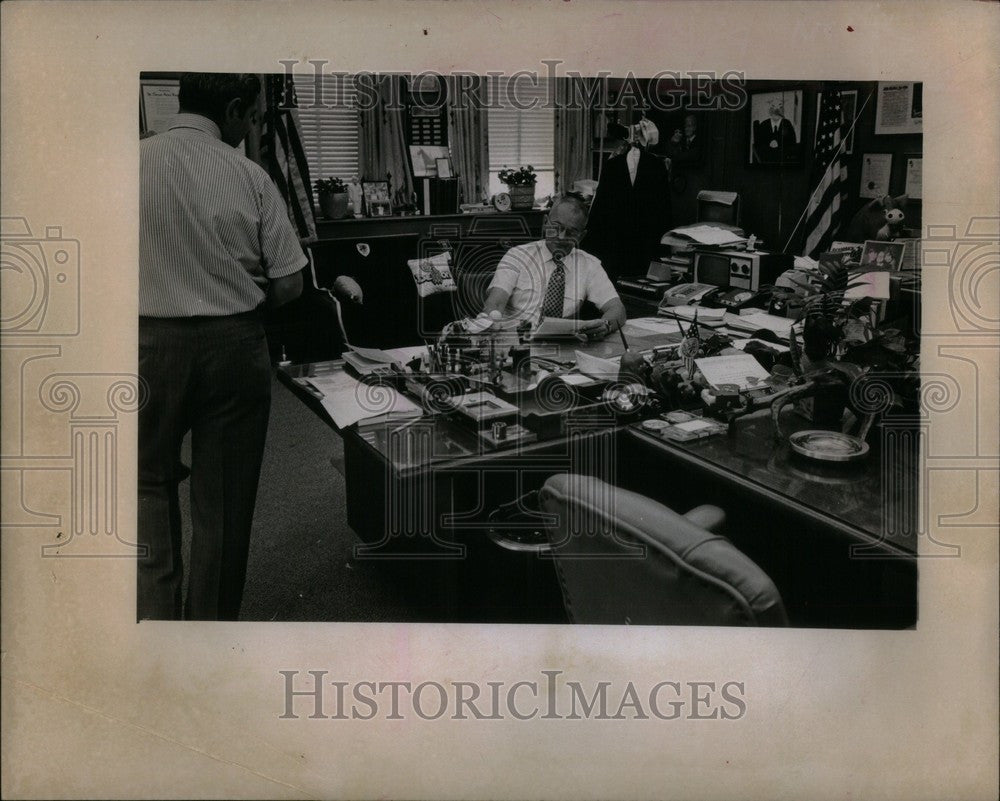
301 564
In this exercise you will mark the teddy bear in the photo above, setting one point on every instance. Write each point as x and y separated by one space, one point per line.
894 219
881 218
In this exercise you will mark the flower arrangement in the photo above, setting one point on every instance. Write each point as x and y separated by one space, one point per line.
329 186
522 176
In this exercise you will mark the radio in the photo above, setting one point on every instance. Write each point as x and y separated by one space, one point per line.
739 269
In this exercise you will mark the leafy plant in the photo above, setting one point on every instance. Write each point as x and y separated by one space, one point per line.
330 186
522 176
846 336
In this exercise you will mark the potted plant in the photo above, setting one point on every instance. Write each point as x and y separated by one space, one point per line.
843 340
521 184
333 197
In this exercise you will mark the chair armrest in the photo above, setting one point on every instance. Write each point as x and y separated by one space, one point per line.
711 518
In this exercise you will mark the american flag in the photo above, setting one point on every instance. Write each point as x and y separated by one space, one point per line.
283 157
823 214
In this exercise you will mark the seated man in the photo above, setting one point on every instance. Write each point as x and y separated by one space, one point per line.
552 277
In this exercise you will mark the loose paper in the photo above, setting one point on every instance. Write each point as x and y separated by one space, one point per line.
347 401
595 366
736 369
552 327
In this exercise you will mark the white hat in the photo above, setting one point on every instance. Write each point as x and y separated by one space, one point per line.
648 133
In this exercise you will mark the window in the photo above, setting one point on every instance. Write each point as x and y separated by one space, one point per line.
330 128
518 137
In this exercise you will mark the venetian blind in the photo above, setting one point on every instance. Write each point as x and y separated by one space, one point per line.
330 127
520 137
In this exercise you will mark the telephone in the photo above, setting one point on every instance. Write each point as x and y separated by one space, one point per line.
734 300
685 294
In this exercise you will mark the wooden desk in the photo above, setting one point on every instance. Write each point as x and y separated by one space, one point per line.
829 536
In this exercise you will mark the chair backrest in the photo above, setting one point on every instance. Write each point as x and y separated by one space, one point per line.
624 558
388 317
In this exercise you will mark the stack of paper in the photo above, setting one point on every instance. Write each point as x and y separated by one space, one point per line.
708 317
369 360
348 401
644 326
556 328
781 326
709 235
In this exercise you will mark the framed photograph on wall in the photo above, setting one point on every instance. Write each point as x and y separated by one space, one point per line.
775 128
377 200
849 106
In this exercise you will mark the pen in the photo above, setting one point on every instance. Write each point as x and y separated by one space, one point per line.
622 335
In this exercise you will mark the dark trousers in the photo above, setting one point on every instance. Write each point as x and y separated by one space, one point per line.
210 376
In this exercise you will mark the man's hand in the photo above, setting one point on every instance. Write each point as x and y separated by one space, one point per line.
594 329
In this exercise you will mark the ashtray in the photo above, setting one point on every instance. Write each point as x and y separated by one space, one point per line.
828 446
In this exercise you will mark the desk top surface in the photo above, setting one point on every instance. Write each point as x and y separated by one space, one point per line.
855 495
866 495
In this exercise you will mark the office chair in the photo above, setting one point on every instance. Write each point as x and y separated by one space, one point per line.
624 558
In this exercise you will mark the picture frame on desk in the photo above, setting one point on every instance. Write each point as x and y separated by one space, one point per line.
775 128
444 168
424 159
879 255
377 200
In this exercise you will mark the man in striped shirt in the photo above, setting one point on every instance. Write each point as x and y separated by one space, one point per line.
215 246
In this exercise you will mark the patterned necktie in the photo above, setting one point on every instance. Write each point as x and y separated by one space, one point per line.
552 305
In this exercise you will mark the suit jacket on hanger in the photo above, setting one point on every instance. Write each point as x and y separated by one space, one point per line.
627 220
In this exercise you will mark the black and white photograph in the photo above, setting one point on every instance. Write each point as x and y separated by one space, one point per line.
500 400
724 463
776 131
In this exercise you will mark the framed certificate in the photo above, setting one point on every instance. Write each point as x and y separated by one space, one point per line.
158 103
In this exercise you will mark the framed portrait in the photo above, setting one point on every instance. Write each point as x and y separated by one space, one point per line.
424 158
849 107
878 255
444 168
900 108
376 197
775 128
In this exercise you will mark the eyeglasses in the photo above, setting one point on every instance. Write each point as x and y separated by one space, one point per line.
560 230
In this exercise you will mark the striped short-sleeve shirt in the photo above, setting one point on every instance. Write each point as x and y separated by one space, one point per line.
213 229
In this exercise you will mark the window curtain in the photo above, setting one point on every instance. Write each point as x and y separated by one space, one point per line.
276 144
467 135
382 153
574 138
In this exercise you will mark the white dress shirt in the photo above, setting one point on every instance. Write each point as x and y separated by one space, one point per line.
632 159
524 273
213 228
